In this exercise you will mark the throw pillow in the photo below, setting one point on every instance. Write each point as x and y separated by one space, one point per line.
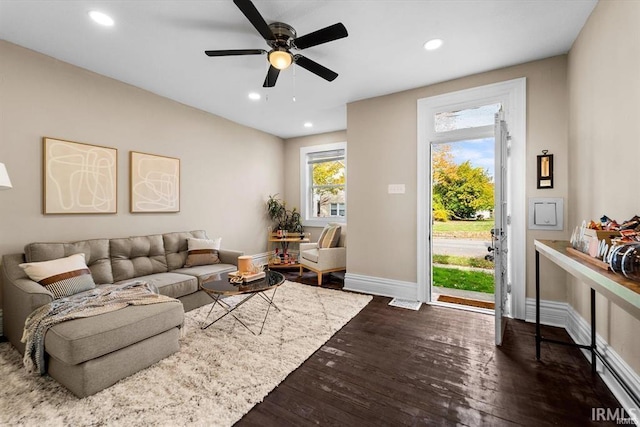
202 252
330 236
63 276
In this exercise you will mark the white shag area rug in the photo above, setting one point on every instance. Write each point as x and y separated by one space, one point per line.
218 375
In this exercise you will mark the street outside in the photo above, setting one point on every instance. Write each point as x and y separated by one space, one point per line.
460 247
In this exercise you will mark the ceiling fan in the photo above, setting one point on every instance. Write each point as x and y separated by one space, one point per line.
281 38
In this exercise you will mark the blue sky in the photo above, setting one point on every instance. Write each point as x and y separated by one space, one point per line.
480 152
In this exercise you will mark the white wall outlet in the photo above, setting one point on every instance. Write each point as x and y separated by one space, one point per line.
396 189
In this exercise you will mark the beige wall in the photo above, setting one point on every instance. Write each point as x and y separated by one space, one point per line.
604 142
382 135
227 170
292 170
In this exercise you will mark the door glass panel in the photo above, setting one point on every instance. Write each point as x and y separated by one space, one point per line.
465 119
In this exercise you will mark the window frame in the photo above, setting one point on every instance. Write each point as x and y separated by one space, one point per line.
305 185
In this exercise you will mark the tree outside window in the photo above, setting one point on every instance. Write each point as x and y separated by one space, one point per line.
460 191
328 181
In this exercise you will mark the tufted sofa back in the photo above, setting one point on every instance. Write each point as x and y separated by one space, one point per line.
175 246
137 256
114 260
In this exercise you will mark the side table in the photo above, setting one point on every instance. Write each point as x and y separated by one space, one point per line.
284 243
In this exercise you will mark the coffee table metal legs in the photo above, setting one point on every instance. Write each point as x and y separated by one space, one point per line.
230 309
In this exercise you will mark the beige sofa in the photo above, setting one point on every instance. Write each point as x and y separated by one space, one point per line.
87 355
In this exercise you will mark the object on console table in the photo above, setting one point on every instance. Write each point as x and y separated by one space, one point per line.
588 258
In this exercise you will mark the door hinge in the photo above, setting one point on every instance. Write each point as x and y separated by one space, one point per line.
508 219
509 288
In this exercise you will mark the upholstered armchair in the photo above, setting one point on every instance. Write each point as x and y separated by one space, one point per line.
322 259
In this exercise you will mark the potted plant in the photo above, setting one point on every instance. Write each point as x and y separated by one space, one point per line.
285 219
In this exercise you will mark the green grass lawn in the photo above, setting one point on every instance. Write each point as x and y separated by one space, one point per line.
462 279
464 261
466 226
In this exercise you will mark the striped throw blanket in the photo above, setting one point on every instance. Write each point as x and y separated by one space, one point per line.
86 304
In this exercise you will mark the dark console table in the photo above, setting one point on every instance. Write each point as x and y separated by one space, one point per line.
622 292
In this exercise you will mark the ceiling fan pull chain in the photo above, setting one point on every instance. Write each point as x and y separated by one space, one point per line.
294 82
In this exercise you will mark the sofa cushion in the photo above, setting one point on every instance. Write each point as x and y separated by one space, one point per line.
203 271
137 256
63 276
310 254
202 252
79 340
96 255
175 246
171 284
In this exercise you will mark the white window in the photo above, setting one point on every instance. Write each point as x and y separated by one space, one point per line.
466 118
323 184
338 209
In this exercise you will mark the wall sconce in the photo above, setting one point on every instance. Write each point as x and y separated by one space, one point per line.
545 170
5 182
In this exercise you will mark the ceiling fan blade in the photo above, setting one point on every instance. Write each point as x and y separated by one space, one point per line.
324 35
272 77
252 14
232 52
315 68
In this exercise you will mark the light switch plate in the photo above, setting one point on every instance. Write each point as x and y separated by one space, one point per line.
396 189
546 213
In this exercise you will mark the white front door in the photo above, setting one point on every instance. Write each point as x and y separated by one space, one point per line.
501 227
511 95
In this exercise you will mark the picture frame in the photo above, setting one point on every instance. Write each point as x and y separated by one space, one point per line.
545 170
78 178
154 183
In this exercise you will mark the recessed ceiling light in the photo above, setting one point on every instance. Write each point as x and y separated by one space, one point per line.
254 96
101 18
308 125
433 44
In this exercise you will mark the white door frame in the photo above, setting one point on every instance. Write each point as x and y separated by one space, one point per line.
512 95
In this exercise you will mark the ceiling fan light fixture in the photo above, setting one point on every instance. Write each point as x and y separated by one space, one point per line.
280 58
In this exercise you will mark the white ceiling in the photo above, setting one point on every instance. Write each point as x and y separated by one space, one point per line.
159 45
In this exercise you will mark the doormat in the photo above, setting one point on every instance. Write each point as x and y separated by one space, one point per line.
467 301
403 303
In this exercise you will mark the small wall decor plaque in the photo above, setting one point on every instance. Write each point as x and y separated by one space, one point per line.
545 170
155 183
78 178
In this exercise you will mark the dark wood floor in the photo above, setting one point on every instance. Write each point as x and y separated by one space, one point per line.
437 366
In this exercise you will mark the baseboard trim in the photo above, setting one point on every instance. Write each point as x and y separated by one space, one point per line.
552 313
580 331
380 286
261 258
563 315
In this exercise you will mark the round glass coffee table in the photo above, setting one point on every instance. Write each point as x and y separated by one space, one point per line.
218 286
